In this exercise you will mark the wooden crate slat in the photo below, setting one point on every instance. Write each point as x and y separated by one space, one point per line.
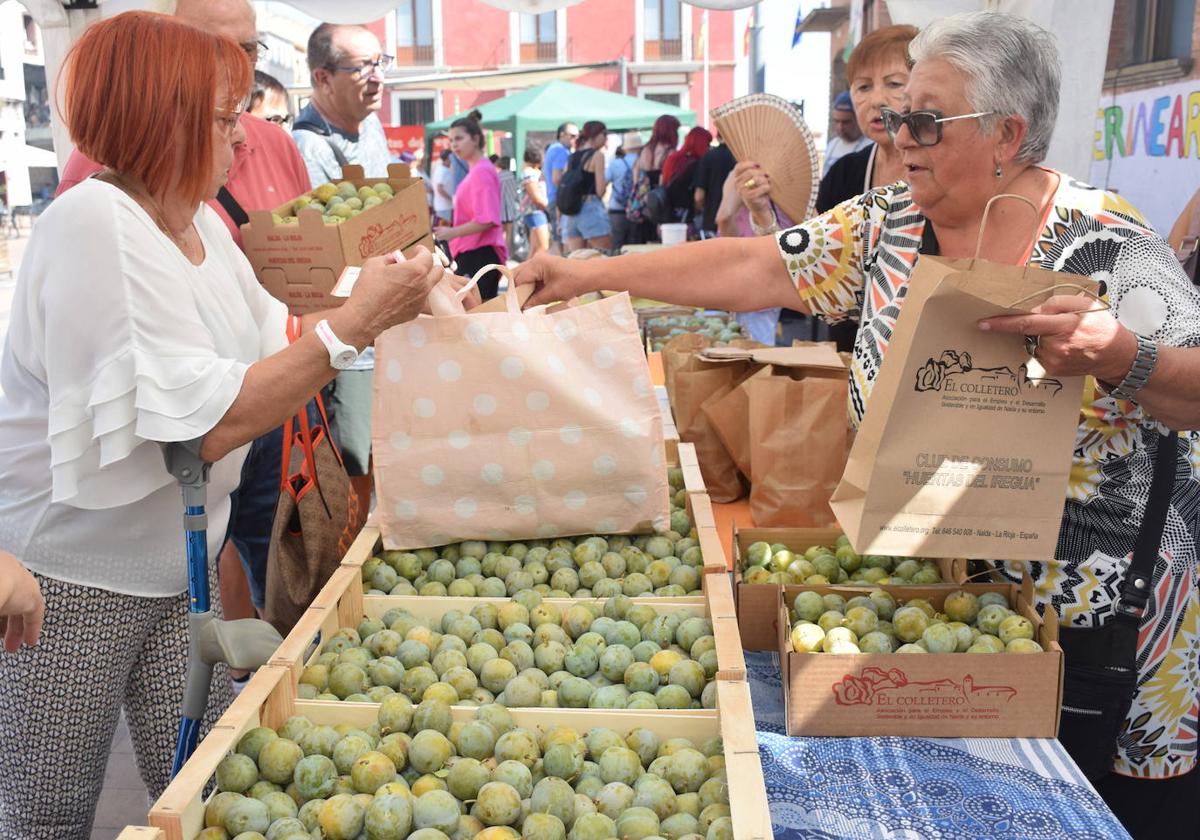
140 832
693 479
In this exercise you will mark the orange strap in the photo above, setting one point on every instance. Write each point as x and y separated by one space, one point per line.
305 479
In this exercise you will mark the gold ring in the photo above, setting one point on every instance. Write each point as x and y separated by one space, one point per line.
751 184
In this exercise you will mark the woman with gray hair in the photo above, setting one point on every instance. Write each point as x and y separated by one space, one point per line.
983 95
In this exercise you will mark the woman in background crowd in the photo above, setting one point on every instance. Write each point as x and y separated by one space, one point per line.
619 174
733 219
534 201
477 237
647 169
679 170
589 227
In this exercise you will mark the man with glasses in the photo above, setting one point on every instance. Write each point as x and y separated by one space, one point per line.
339 126
270 100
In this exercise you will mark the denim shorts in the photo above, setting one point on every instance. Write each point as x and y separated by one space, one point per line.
590 223
536 219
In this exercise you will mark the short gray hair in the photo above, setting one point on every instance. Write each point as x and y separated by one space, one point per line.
1012 67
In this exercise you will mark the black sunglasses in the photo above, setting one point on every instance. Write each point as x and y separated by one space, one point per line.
925 125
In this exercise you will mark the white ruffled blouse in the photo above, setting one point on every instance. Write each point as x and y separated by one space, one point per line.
116 342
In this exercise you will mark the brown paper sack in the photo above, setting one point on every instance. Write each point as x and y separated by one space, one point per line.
965 449
690 384
797 434
729 414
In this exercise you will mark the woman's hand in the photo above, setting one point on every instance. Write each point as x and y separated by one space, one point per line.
386 294
754 188
21 602
1076 336
444 233
556 278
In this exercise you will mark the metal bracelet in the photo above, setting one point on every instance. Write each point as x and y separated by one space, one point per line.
1139 374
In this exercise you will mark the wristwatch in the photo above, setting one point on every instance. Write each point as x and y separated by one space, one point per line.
1139 374
341 354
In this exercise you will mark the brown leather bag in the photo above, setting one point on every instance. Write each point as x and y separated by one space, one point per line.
317 517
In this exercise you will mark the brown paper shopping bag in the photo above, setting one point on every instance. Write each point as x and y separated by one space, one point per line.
516 425
729 414
797 432
965 448
690 384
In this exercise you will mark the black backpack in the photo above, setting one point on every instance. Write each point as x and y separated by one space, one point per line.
570 195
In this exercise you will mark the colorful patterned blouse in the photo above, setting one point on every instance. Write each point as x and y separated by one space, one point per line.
856 260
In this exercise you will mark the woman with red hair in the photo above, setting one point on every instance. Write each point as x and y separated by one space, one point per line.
679 170
647 170
140 323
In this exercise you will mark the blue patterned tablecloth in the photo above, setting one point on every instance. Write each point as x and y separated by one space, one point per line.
918 788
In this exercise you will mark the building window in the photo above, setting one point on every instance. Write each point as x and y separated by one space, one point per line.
539 38
663 37
413 111
664 98
1157 30
414 32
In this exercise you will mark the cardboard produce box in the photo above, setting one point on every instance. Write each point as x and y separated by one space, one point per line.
937 695
299 263
757 603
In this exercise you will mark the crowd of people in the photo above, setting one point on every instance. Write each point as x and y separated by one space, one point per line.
172 339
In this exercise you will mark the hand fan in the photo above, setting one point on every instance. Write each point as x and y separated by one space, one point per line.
770 131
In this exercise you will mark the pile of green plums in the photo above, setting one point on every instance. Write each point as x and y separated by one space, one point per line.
667 564
525 652
840 563
417 773
877 623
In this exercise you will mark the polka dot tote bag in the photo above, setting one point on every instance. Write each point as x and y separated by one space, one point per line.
516 425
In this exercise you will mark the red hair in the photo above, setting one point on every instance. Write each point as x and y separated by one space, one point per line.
665 132
879 47
141 93
682 160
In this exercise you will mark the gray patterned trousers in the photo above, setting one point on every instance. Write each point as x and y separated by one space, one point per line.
59 704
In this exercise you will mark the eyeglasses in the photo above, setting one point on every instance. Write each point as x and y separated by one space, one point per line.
925 126
280 119
254 49
367 68
227 119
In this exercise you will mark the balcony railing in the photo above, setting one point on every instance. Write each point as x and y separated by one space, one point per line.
663 50
542 52
414 56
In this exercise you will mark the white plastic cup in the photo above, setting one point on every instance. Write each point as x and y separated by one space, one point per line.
673 233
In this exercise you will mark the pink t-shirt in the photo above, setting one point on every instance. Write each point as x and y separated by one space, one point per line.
267 171
477 199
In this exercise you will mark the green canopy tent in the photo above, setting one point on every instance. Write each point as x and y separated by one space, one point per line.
547 106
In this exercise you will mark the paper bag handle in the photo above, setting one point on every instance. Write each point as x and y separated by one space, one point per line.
1104 305
988 209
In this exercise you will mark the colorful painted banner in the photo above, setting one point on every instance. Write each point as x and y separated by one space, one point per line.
1146 146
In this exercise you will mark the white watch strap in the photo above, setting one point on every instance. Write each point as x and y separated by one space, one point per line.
332 343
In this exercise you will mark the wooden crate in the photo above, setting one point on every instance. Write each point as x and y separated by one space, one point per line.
138 832
757 603
941 695
269 699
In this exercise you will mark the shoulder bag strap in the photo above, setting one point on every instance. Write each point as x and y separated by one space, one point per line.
338 154
231 206
1135 589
